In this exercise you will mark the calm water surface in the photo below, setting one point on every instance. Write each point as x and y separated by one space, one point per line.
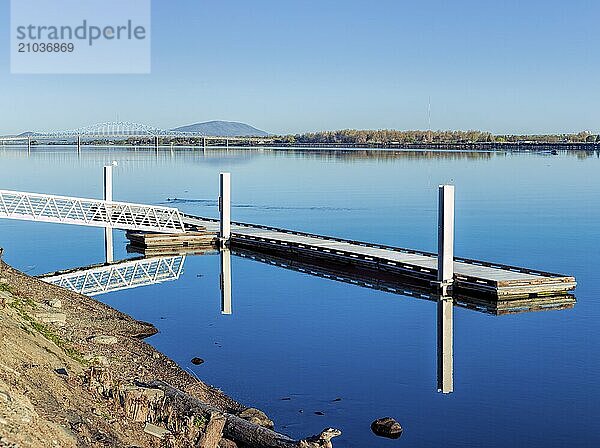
528 379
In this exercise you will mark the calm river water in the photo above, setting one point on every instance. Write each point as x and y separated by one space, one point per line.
298 346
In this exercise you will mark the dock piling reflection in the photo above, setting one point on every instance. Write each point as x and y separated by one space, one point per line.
445 355
226 307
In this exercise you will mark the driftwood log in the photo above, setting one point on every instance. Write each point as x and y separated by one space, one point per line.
214 431
236 428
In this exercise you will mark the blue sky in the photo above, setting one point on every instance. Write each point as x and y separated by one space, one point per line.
292 66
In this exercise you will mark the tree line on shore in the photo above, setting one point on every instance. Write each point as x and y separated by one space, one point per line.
387 136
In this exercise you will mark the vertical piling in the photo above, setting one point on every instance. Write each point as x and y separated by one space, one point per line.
226 307
29 143
204 143
79 143
225 208
445 355
446 237
108 196
156 143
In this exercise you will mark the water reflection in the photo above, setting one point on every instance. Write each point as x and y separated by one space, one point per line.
445 342
387 282
55 152
126 274
225 282
101 279
445 304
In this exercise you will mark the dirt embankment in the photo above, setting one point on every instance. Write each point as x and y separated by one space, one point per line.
74 373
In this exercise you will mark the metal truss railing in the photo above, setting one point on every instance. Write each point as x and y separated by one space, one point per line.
96 280
89 212
109 129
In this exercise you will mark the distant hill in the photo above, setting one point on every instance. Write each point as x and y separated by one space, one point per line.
223 129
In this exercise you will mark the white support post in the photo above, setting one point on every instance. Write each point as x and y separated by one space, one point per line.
445 363
79 143
156 142
446 237
108 231
227 144
226 307
108 245
204 143
225 208
29 143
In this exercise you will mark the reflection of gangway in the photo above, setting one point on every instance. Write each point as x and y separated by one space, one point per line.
101 279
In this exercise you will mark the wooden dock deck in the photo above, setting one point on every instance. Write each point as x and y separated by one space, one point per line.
412 266
160 243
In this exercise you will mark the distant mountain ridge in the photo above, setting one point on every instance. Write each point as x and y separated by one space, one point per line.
223 129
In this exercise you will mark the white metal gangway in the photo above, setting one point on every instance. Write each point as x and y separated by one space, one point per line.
95 280
89 212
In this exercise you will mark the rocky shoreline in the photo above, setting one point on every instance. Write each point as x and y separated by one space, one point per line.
77 373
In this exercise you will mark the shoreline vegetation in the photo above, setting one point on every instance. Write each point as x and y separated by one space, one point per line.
380 139
77 373
394 137
419 139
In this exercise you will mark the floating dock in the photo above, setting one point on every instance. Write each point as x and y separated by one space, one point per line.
159 243
156 229
472 277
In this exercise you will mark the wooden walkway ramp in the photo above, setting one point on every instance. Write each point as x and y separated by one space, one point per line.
417 267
